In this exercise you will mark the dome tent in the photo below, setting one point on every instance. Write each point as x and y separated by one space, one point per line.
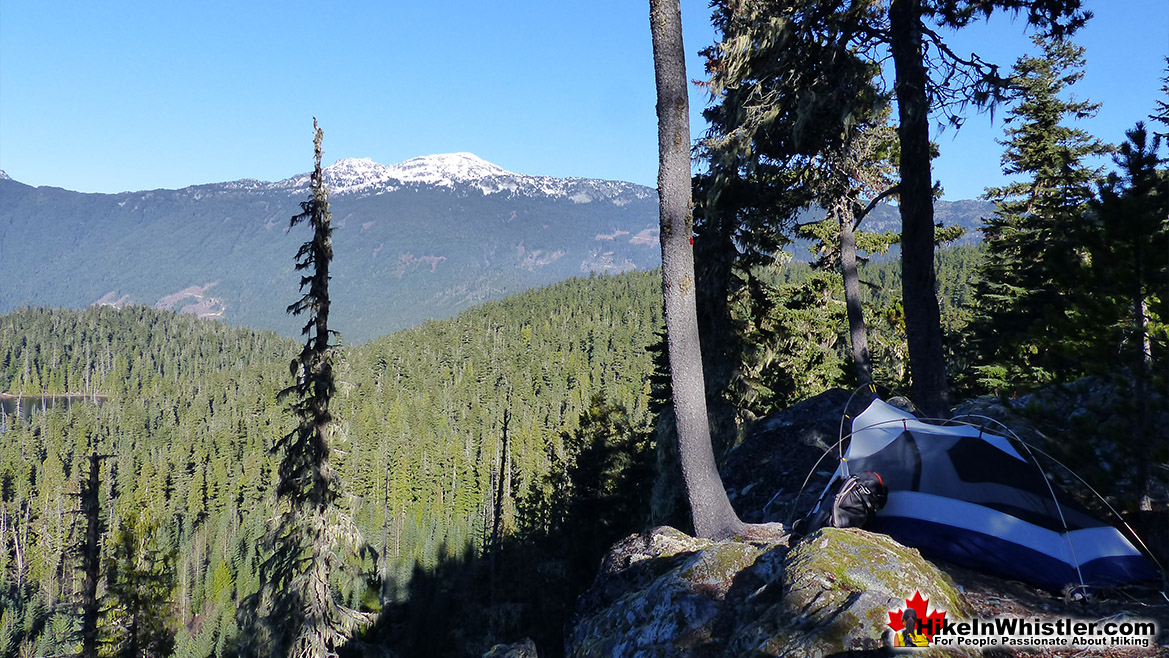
967 496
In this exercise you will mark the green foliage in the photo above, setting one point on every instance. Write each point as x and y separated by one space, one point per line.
1127 310
1036 240
24 617
787 81
138 617
526 584
193 421
1128 273
196 393
313 541
806 331
797 121
794 324
596 489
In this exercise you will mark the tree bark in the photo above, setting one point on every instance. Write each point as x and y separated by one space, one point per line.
710 508
922 317
858 335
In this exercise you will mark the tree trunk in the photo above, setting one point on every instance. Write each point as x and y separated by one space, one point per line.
857 332
923 329
90 560
711 509
500 492
1144 357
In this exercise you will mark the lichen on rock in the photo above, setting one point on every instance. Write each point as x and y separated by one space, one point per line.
664 594
667 594
839 586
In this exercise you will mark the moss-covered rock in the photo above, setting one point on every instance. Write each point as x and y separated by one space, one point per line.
838 588
664 594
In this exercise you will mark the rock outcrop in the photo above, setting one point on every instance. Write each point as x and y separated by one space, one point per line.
665 594
764 473
525 648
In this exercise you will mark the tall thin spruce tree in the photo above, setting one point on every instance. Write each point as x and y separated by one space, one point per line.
1036 239
313 540
88 550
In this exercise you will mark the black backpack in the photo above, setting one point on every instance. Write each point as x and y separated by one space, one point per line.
850 502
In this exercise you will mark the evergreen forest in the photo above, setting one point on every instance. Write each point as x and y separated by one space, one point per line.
518 434
449 429
455 485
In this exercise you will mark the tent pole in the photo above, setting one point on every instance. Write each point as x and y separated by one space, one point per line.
1008 431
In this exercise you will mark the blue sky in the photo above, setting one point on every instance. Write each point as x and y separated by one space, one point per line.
130 95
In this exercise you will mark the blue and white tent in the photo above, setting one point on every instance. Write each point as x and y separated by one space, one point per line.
963 495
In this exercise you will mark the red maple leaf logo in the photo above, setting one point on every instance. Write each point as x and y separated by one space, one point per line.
928 624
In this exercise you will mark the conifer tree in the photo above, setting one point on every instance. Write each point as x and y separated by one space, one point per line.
312 539
710 508
801 73
1036 240
1129 275
1132 211
930 77
89 553
140 574
1161 113
851 181
792 101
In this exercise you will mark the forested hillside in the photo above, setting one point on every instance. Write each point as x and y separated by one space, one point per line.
187 426
192 414
515 439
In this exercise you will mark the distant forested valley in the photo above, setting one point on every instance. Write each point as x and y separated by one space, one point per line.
192 415
460 442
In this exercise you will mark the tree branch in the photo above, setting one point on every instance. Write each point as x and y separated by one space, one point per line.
873 204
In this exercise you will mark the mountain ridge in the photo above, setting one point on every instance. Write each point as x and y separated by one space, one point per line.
420 240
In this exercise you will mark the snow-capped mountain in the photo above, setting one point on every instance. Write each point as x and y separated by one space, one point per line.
421 239
356 175
444 169
462 171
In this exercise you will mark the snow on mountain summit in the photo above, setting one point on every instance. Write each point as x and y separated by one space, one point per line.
443 170
351 174
464 171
